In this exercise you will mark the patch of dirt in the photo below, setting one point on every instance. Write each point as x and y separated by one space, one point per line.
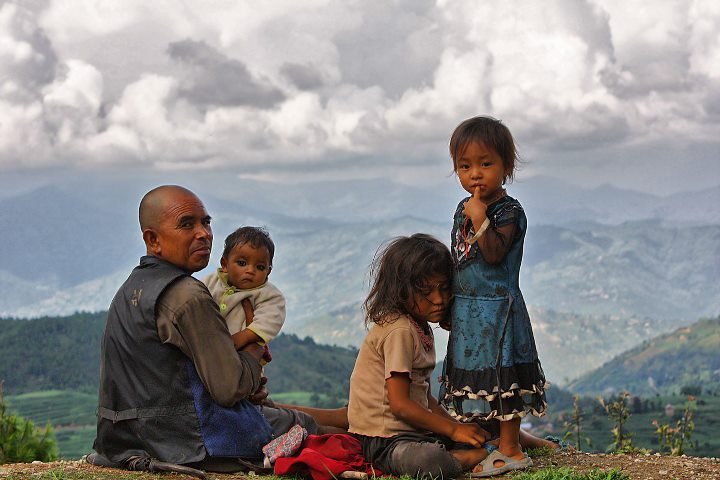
637 467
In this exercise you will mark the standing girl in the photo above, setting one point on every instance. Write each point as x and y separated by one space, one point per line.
402 428
491 359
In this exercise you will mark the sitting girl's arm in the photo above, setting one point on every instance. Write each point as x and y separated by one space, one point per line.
438 409
411 412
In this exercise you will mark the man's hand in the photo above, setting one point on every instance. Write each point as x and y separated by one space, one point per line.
470 433
475 209
261 394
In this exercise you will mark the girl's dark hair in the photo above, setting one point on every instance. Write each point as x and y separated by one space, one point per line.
399 270
256 236
490 131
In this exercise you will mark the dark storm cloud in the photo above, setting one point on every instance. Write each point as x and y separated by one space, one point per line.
211 78
662 70
303 77
38 62
396 46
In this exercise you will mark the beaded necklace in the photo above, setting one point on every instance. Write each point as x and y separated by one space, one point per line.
426 338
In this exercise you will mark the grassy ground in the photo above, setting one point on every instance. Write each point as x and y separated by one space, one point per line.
558 466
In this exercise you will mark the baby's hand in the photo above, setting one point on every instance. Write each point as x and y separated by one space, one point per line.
475 209
470 433
257 351
267 356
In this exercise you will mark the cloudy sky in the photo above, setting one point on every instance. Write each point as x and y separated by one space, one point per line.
604 91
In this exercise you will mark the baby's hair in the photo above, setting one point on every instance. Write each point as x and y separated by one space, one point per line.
490 131
256 236
398 272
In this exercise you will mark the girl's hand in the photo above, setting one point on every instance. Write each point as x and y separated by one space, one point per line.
475 209
470 433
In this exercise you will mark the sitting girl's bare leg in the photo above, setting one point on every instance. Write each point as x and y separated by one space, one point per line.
331 420
527 440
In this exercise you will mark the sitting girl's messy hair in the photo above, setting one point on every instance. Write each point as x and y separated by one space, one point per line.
399 270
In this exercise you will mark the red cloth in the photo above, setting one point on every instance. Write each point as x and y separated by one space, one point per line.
324 457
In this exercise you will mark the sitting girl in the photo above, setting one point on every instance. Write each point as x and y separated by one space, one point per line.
402 428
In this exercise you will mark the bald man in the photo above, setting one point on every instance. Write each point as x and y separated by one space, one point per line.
173 390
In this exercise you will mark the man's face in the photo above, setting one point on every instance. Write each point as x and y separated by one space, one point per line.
183 235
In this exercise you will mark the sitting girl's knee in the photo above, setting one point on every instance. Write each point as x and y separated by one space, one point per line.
424 460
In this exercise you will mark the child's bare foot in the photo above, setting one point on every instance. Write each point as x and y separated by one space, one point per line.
556 443
470 457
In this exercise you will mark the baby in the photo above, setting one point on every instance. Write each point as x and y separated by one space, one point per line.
253 308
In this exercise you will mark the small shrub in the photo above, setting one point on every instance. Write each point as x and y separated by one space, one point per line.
575 424
618 412
20 441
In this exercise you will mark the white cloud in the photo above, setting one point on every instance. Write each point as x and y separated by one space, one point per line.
248 85
80 88
84 20
22 136
704 41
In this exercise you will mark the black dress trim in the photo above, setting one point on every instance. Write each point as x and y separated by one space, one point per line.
521 390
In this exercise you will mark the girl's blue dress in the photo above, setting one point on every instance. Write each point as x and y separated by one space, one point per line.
492 368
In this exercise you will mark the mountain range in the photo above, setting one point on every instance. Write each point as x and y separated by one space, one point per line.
603 270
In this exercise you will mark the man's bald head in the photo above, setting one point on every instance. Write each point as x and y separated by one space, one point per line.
176 227
154 203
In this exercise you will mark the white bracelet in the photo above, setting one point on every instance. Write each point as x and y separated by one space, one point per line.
480 232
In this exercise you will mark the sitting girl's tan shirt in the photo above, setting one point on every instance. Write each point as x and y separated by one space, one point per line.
392 347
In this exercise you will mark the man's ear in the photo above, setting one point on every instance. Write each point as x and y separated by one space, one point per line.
151 242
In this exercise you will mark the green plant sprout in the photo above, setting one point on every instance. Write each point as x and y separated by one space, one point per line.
618 412
674 439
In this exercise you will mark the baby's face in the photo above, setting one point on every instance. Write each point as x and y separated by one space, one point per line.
247 266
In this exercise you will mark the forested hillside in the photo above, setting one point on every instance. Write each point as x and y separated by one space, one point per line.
305 366
51 353
687 359
63 353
